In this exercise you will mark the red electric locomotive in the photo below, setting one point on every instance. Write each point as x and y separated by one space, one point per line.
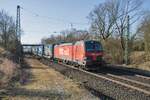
80 53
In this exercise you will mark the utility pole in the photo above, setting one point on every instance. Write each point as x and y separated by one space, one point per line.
127 41
71 26
18 35
18 26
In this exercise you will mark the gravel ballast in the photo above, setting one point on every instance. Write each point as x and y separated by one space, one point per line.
101 85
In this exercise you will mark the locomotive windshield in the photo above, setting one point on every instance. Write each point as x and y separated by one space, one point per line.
93 46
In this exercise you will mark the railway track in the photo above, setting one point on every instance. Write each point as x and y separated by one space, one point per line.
145 77
112 85
139 82
139 86
129 83
137 78
142 79
124 83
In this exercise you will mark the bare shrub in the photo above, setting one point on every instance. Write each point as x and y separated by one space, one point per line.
9 70
138 57
144 31
113 51
1 50
138 60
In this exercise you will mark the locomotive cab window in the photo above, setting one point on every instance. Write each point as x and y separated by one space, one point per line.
93 46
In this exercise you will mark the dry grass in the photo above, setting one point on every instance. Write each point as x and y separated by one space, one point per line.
8 70
1 49
143 66
113 51
137 57
138 60
46 83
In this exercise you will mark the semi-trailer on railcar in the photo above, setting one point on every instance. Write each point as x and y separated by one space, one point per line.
48 51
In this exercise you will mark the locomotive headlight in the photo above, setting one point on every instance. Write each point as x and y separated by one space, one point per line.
87 58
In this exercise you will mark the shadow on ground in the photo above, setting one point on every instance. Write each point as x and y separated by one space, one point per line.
120 70
28 78
36 93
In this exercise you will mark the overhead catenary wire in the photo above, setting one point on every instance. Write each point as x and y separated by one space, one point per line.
52 18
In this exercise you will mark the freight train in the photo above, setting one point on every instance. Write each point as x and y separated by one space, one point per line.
84 54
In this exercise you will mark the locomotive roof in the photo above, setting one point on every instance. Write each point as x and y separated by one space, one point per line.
92 40
62 44
71 43
87 41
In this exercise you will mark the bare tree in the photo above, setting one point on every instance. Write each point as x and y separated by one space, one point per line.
127 8
110 18
7 30
144 29
75 35
103 19
67 36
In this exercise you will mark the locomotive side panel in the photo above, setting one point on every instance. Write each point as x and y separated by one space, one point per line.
64 52
79 53
56 55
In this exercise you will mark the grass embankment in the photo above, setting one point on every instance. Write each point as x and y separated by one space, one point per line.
138 60
9 72
1 50
43 83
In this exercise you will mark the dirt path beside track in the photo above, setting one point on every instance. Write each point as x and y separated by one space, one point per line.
39 82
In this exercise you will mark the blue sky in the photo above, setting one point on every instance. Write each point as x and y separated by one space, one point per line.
41 18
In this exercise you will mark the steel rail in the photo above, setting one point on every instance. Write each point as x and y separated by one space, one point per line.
108 79
129 80
145 77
